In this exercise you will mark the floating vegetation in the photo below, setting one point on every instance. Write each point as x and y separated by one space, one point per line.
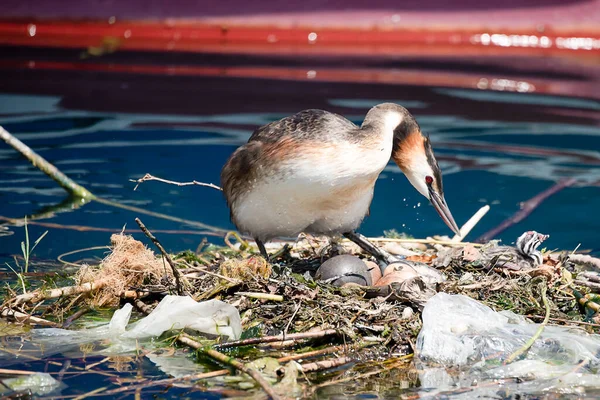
300 334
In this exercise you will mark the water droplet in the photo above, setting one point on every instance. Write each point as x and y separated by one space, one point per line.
31 29
312 37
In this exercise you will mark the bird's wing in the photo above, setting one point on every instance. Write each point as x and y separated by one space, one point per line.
314 125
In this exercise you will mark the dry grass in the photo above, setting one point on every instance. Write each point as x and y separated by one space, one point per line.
129 266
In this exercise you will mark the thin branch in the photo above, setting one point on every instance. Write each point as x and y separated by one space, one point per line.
149 177
225 359
278 338
82 193
213 374
423 241
527 208
154 240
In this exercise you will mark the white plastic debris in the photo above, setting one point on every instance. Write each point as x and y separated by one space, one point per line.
173 313
38 384
471 343
178 312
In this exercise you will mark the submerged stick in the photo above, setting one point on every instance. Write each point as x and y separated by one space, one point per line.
154 240
278 338
38 161
78 314
225 359
526 209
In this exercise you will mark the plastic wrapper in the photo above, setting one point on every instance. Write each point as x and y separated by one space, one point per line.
463 348
173 313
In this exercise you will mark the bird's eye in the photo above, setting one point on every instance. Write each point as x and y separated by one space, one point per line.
428 180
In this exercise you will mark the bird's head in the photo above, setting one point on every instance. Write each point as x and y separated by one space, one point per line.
412 152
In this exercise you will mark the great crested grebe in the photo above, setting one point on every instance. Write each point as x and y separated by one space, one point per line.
315 171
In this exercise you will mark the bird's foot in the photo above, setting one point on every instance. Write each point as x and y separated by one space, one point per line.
263 251
383 257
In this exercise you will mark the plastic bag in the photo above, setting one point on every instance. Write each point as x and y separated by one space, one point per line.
173 312
471 342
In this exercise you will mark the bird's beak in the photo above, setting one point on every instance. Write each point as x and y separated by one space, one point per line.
442 208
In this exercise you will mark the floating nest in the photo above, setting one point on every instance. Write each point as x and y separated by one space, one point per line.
371 328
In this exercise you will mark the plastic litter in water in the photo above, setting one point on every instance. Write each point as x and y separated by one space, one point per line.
471 343
38 384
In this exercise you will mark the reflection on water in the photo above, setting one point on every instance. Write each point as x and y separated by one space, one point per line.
500 161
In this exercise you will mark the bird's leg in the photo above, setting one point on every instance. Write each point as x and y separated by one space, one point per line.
383 257
261 248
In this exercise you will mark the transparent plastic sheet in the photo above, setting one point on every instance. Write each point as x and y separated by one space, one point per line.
173 313
38 384
463 346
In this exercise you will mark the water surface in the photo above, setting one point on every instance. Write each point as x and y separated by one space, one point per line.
105 128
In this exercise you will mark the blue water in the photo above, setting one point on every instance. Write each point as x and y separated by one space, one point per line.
103 129
104 150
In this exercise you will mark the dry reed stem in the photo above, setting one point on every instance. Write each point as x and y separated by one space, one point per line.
22 317
261 296
225 359
586 260
326 364
174 269
470 224
424 241
278 338
41 294
592 285
16 372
